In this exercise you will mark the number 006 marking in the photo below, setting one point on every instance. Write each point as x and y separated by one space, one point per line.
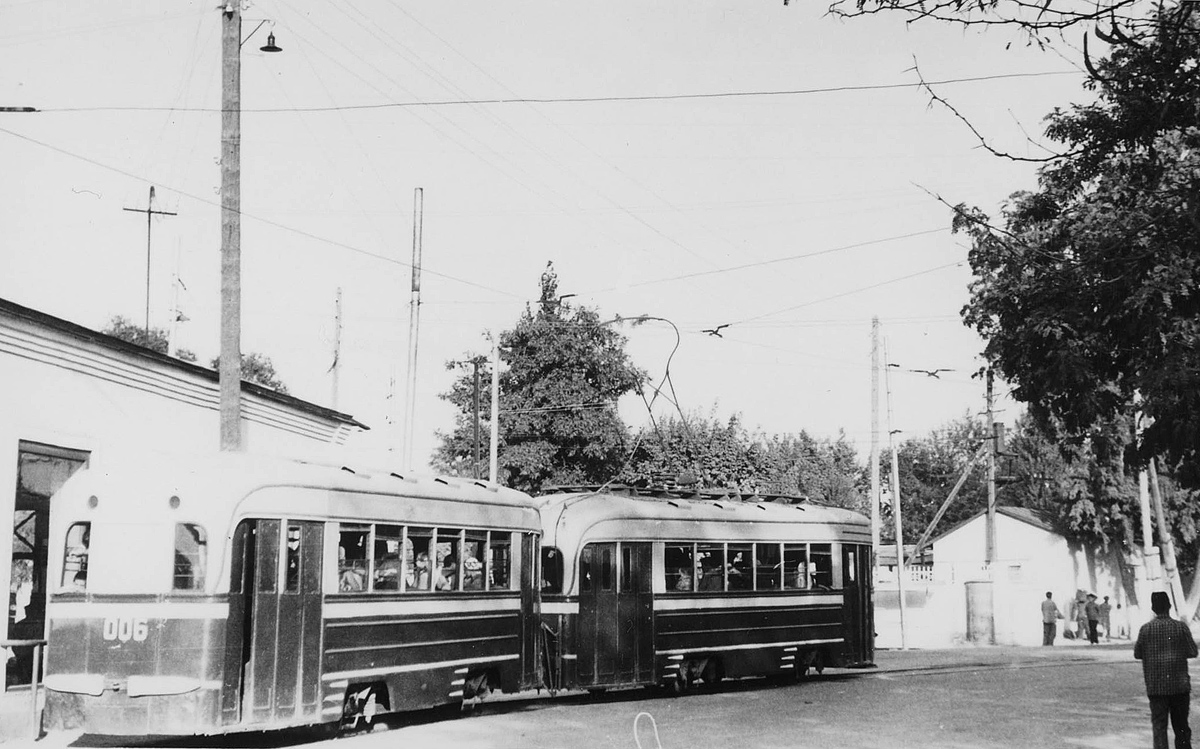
126 628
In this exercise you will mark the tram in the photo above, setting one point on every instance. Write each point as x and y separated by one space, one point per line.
666 590
239 593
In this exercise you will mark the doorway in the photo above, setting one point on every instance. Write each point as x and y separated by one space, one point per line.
616 615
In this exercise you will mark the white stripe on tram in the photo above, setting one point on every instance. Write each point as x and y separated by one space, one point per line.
148 610
771 602
560 607
748 646
383 671
351 609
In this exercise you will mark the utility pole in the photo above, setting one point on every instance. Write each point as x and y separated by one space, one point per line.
900 575
875 489
336 368
230 366
414 317
150 213
494 447
990 551
475 463
177 315
1170 568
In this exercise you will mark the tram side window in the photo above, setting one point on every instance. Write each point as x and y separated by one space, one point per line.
710 563
352 558
585 569
191 557
795 567
75 558
473 557
767 567
552 570
386 574
499 566
678 566
291 581
821 566
449 554
418 570
737 570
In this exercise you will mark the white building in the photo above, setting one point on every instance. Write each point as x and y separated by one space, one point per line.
959 598
72 397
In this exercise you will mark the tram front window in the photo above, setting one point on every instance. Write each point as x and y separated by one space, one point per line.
75 558
191 557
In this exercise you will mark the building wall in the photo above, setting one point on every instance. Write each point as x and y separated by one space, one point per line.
1030 561
73 391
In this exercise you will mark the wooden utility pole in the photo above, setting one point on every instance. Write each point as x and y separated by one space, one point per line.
990 551
150 213
875 489
494 447
896 516
230 364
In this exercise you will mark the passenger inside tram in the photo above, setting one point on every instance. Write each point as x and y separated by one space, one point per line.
683 580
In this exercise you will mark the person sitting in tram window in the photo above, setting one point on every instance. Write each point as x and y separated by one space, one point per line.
472 574
387 573
420 580
445 578
684 579
711 579
349 578
739 579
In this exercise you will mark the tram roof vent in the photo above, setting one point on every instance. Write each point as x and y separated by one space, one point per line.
348 469
409 480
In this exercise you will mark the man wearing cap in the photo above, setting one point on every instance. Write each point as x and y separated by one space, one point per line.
1164 646
1092 612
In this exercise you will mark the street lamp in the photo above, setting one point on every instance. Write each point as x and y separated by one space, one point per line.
229 367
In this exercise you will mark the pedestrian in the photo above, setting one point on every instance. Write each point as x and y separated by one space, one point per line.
1092 612
1050 617
1106 619
1079 614
1164 646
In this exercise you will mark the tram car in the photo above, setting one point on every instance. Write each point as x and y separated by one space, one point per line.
239 593
642 590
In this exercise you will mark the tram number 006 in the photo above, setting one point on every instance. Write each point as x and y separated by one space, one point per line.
126 628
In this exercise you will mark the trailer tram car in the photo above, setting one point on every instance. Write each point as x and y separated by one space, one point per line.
238 593
667 591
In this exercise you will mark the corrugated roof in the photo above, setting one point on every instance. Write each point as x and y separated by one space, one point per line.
79 332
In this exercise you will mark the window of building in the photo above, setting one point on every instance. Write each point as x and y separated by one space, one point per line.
191 557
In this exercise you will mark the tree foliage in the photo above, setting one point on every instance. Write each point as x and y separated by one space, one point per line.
259 369
559 424
154 339
1087 292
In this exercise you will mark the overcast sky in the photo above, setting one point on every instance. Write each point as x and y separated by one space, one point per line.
733 163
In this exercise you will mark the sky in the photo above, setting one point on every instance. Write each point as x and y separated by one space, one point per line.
764 167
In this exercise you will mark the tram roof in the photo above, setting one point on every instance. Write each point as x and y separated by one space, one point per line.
667 514
221 481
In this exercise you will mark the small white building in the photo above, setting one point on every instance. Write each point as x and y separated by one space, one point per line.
963 599
72 397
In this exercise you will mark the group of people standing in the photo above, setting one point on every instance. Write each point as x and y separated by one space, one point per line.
1089 617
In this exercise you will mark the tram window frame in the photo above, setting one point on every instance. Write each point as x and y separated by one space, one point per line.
800 578
196 559
498 575
474 549
387 550
820 566
678 561
585 568
357 566
739 577
420 541
451 539
293 556
710 564
768 566
625 574
552 570
75 557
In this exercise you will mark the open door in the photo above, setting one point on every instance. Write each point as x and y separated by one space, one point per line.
616 619
859 622
274 632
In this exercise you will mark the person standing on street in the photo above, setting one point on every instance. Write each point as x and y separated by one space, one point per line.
1106 619
1164 646
1092 612
1050 617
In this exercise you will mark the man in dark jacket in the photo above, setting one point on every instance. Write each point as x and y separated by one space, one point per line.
1164 646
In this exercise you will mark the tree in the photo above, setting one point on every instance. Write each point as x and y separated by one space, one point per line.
154 339
259 369
1086 292
558 423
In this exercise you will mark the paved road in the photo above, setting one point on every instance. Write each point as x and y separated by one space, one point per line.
963 699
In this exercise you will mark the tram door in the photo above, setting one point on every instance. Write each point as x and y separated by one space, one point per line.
276 622
616 615
859 623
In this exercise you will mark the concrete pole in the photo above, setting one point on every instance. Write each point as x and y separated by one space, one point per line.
494 447
875 488
414 324
991 480
230 364
896 517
